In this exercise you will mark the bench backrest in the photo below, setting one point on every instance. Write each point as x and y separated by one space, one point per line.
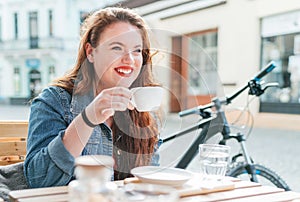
13 137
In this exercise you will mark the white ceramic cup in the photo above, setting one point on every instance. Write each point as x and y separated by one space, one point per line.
147 98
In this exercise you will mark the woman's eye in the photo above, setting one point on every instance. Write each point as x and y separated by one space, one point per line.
138 50
116 48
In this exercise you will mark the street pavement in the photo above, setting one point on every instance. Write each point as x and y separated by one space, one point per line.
277 149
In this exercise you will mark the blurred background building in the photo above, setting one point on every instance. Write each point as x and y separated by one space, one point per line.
206 47
38 42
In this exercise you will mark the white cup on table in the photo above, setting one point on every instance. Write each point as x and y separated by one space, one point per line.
147 98
213 160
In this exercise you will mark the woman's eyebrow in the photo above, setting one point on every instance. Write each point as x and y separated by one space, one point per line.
121 44
116 43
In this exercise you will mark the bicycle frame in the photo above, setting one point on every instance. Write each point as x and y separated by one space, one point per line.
215 123
190 153
210 127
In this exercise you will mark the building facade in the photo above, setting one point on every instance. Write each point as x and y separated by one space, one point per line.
38 42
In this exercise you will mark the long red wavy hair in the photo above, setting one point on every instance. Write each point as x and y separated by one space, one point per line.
134 133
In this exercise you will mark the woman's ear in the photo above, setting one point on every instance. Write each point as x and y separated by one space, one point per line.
89 52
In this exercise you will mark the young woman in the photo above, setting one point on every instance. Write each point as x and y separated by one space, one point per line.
88 110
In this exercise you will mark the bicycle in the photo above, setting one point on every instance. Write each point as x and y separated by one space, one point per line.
214 121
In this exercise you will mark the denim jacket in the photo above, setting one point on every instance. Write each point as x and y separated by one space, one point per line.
48 162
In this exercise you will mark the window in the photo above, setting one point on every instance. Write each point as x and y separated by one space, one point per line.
83 16
202 57
17 81
280 42
16 31
51 73
33 29
50 15
2 87
282 50
35 81
194 77
0 29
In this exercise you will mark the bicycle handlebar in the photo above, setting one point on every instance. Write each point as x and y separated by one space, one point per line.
269 67
196 110
201 109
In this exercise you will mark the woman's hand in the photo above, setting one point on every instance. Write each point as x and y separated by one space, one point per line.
107 102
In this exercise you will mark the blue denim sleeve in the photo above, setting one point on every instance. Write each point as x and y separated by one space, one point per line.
47 163
155 157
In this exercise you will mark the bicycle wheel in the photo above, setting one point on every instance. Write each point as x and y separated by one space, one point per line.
265 176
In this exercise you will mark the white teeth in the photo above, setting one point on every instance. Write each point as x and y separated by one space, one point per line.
124 71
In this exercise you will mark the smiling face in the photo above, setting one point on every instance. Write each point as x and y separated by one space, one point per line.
118 57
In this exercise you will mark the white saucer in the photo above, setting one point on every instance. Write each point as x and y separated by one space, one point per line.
162 175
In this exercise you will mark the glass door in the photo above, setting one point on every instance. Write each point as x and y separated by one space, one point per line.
194 78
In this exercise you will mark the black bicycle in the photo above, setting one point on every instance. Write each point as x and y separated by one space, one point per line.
214 121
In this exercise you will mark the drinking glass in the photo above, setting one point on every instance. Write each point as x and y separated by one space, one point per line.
213 160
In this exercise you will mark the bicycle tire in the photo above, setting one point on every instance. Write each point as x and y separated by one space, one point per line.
261 171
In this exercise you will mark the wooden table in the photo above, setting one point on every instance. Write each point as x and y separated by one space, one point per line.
243 191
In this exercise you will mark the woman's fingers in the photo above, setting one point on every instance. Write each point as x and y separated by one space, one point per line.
118 91
108 101
118 106
130 106
108 112
117 98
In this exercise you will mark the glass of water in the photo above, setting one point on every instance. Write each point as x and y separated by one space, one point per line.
213 160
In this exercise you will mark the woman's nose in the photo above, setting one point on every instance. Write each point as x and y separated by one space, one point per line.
128 58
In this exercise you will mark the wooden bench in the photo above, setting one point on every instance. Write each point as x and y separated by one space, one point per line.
13 137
